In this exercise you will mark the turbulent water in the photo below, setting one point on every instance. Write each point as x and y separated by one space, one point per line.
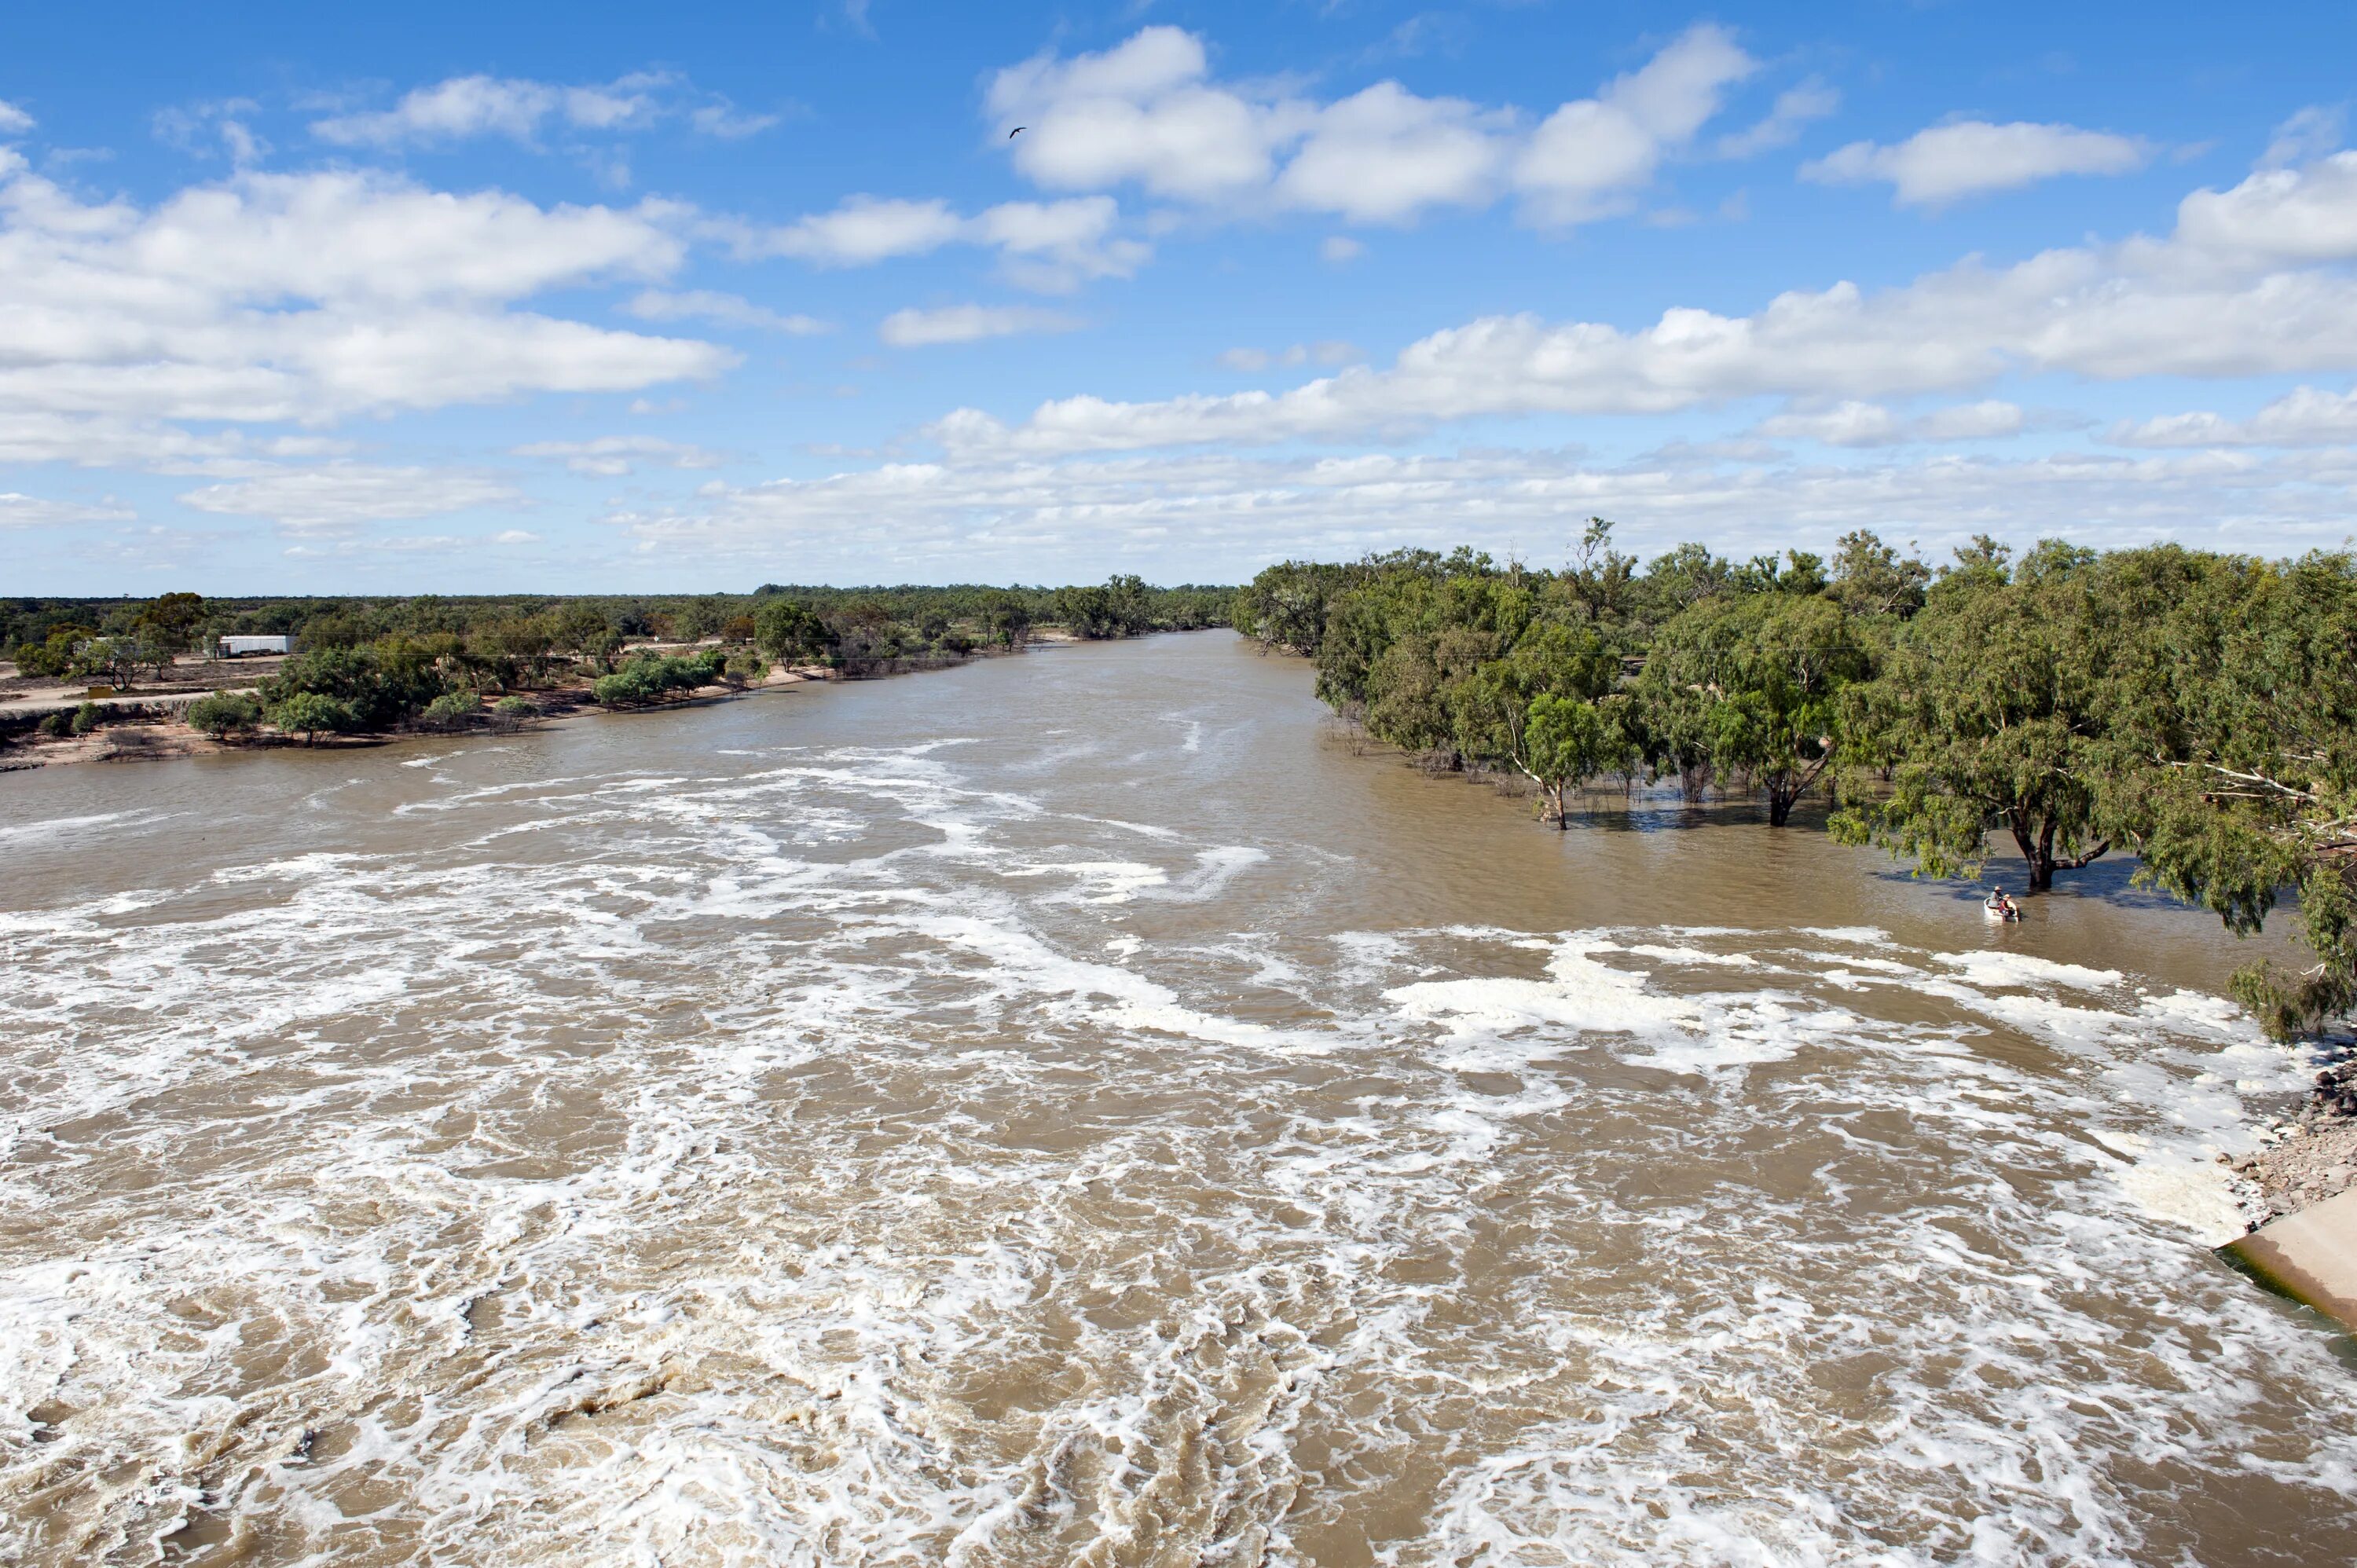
1073 1110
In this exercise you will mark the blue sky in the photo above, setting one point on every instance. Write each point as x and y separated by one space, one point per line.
329 299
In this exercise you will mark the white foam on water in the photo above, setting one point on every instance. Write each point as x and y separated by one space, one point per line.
796 1165
1993 968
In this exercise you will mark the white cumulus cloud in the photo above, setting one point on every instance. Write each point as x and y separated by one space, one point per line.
1856 424
1082 515
312 297
915 328
610 457
721 311
520 109
338 497
19 511
1051 246
2250 284
1590 157
1149 112
2305 416
1947 163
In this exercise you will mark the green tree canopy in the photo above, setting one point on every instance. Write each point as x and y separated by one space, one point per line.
1989 714
1751 683
312 715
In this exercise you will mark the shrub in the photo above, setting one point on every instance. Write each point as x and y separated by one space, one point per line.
57 726
745 669
650 677
88 717
379 685
225 713
310 716
453 709
516 707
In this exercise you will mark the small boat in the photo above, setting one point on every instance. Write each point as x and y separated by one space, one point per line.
1997 907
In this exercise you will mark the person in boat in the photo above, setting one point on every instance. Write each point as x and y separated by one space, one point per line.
2002 905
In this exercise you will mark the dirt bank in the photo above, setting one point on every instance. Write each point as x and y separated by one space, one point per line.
2314 1156
155 739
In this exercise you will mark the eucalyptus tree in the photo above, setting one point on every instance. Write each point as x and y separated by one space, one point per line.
1990 715
1751 683
2234 725
1570 740
1871 578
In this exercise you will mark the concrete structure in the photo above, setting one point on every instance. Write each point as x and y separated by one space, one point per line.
239 647
2310 1256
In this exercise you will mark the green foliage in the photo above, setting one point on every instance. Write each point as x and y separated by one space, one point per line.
651 677
170 622
57 726
1990 713
2231 705
1285 605
222 713
1120 608
51 656
1869 578
516 708
312 715
789 633
452 710
745 670
116 661
1571 740
1749 685
86 718
381 685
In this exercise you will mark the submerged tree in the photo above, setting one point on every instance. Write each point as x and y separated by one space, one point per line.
2235 771
1569 741
1989 716
1751 683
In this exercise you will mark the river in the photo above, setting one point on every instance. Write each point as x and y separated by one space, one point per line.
1075 1109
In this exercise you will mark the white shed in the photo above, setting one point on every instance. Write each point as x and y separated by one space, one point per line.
239 647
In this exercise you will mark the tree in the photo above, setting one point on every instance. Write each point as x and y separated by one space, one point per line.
116 661
311 714
170 622
1988 716
1009 620
1285 605
584 629
1870 579
2233 768
223 713
1753 682
381 685
53 656
1570 740
788 631
453 710
1599 576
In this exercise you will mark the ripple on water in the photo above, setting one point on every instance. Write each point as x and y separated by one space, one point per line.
846 1159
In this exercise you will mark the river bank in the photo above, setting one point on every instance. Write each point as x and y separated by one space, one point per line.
148 725
2307 1158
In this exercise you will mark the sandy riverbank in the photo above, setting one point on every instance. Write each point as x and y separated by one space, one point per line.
149 739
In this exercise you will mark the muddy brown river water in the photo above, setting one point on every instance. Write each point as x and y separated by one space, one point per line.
1074 1109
